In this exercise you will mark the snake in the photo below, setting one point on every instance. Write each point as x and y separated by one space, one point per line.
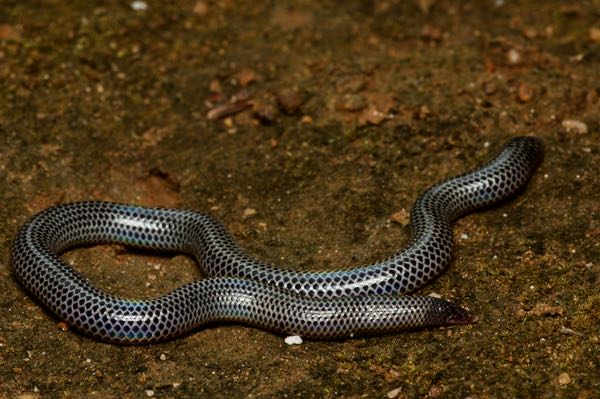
237 287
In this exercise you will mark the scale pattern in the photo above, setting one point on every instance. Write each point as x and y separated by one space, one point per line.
322 304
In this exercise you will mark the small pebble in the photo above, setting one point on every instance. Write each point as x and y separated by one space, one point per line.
372 116
401 217
564 379
464 236
423 112
289 101
163 357
215 86
572 125
245 77
200 8
513 57
393 393
62 326
139 6
354 102
306 120
525 93
293 340
249 212
149 393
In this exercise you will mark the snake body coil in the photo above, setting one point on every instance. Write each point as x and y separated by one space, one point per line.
240 288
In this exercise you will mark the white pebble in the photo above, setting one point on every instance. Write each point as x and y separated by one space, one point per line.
139 5
572 125
149 393
464 236
435 295
393 393
293 340
513 56
163 357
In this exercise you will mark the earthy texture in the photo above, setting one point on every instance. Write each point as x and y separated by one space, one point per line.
305 128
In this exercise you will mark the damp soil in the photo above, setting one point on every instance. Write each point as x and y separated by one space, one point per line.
307 128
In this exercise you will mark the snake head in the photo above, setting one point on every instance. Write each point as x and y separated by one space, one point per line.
460 315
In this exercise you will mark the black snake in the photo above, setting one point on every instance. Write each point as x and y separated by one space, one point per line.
321 304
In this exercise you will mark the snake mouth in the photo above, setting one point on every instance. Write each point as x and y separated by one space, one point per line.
461 316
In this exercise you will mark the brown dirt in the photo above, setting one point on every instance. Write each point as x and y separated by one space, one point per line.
334 117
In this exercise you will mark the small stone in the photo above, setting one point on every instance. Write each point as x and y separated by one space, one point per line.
401 217
293 340
525 93
564 379
139 6
394 393
464 236
435 392
62 326
245 77
249 212
163 357
423 112
289 101
200 8
215 86
513 57
572 125
354 102
372 116
306 120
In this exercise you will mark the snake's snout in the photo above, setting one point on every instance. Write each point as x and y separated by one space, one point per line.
461 316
